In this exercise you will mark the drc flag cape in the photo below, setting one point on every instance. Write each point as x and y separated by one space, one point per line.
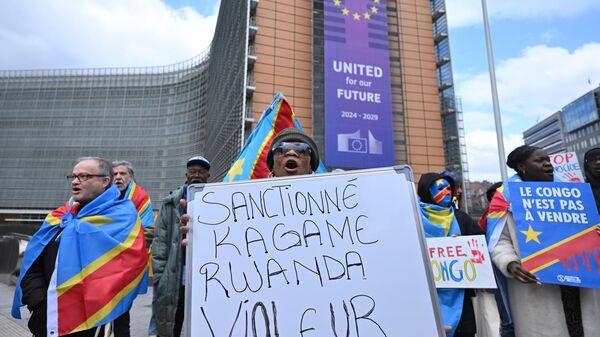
142 203
440 222
494 219
252 160
100 267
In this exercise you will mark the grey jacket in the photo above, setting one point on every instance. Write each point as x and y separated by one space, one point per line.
167 262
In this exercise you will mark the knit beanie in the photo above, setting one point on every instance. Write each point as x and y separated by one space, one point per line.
291 135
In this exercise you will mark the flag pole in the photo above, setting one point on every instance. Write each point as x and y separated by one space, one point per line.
497 119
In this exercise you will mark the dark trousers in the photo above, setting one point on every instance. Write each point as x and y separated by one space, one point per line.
121 325
180 314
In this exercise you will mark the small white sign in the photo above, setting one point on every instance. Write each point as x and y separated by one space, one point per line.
461 262
566 167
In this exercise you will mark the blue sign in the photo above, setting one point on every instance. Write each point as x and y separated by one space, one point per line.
358 99
556 230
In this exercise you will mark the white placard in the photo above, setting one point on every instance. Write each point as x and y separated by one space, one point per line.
320 255
566 167
461 262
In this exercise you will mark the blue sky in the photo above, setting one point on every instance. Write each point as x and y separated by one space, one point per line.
545 51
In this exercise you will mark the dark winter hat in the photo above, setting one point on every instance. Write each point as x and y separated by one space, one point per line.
291 135
520 155
198 160
592 152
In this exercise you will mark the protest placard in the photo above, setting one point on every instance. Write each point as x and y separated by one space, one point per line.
556 231
318 255
566 167
461 262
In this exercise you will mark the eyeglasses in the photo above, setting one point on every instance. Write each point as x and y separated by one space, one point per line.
300 148
83 177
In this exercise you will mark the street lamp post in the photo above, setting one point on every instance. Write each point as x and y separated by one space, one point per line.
497 119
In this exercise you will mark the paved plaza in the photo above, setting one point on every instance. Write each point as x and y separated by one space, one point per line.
10 327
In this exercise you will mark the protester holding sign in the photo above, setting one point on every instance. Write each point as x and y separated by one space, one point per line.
292 153
439 219
537 309
168 257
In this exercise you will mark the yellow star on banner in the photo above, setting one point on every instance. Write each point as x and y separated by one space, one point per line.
531 235
236 169
345 11
367 15
337 2
374 9
356 16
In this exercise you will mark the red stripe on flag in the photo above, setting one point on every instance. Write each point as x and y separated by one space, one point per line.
139 198
566 251
100 287
283 120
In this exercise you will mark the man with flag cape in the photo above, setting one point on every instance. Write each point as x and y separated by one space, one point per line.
252 160
124 179
86 264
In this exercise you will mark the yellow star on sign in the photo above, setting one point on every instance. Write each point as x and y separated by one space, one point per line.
236 169
345 11
337 2
356 16
531 235
367 15
374 9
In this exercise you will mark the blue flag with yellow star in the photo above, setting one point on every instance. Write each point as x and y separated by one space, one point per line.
556 231
251 163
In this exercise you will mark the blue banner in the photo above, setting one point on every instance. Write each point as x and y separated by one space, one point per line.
556 230
358 100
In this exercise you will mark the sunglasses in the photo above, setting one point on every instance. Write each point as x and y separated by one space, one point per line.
284 147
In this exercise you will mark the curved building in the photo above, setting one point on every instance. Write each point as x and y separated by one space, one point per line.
154 117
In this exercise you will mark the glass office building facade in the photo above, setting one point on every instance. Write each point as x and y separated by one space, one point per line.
154 117
582 123
575 128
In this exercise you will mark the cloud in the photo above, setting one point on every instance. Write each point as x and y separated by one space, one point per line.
468 12
540 81
482 153
99 33
533 85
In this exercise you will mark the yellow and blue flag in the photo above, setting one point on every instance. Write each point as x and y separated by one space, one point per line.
101 265
440 221
142 203
251 163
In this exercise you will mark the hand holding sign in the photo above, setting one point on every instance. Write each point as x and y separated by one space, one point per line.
521 274
185 219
